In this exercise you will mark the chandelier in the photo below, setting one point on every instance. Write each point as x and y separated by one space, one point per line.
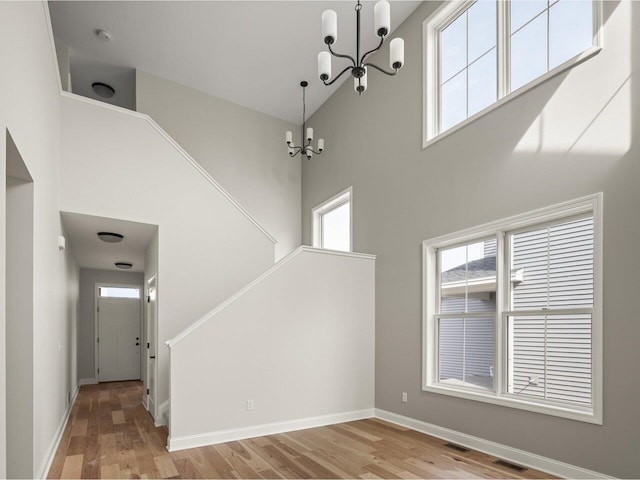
306 148
359 66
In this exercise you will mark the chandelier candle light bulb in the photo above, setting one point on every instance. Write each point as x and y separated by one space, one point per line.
382 17
324 65
360 84
329 26
396 53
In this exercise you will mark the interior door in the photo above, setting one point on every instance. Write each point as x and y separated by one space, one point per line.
152 322
118 339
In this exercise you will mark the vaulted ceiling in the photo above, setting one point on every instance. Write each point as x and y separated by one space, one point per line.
253 53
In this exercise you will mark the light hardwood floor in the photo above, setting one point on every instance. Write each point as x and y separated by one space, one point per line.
111 435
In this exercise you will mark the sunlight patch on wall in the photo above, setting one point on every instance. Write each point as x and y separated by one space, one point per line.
590 114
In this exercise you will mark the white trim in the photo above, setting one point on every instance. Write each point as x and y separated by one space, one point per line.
430 98
87 381
222 436
334 202
170 343
152 282
52 44
55 441
178 148
514 455
96 298
594 414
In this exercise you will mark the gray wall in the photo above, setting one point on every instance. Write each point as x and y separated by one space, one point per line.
86 323
571 136
242 149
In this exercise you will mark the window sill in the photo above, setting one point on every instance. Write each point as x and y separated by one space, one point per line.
582 415
578 59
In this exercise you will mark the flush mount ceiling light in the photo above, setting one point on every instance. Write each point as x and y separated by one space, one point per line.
358 67
110 237
124 265
306 148
103 90
103 35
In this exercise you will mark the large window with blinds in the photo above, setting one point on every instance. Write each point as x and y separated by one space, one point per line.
513 312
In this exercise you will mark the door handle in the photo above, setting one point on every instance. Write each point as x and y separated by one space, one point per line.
153 356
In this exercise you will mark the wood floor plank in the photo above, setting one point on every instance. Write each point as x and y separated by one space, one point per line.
110 471
111 435
117 417
72 467
166 467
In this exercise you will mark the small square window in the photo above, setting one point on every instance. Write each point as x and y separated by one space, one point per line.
332 223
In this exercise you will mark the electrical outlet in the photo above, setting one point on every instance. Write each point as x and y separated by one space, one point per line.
404 397
250 406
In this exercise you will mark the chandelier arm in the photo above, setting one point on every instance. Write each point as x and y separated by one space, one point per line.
341 55
297 150
336 78
364 57
317 153
391 74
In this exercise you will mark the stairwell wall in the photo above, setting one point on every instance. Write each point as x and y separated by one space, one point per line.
298 342
117 164
242 149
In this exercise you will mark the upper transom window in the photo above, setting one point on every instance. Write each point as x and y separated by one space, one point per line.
480 52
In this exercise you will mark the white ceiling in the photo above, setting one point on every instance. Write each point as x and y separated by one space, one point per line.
91 252
253 53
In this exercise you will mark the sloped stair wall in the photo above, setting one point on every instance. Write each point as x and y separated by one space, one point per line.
293 349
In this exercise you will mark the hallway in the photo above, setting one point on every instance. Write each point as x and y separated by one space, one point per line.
111 435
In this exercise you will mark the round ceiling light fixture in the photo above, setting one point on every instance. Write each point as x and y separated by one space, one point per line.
103 90
103 35
110 237
124 265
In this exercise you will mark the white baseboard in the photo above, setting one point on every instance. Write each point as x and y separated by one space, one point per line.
55 441
212 438
87 381
514 455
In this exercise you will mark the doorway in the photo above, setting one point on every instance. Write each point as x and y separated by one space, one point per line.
118 332
19 314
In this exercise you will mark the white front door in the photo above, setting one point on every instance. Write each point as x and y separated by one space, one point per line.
118 339
152 325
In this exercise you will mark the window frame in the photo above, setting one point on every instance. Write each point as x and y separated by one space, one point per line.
338 200
446 14
430 290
